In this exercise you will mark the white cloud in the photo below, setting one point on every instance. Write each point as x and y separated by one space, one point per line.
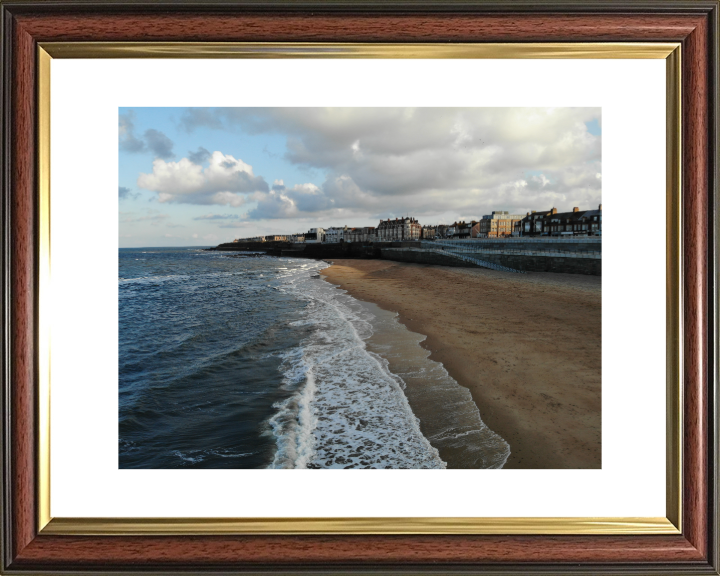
282 202
275 204
224 181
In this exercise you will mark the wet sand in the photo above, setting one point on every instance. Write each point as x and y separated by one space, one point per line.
527 346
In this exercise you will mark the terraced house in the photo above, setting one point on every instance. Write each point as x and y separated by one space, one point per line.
364 234
462 230
554 223
428 232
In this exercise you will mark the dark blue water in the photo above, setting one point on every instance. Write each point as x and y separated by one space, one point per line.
201 347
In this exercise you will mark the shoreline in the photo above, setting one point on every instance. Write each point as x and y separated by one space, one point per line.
526 346
449 418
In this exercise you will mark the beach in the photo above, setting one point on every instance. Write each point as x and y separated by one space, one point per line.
527 346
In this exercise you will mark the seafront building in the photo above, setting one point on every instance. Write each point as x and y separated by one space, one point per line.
463 230
364 234
499 224
554 223
406 228
335 234
441 231
315 236
428 232
533 224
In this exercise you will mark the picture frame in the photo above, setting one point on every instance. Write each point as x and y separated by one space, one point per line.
687 540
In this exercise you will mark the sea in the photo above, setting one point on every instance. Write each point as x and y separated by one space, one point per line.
243 360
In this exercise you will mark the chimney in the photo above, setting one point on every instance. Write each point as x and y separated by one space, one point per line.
553 211
600 207
533 211
528 214
576 209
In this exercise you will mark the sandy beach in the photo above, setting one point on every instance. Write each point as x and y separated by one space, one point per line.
527 346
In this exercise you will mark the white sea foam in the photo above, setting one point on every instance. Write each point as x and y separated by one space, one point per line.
450 418
349 409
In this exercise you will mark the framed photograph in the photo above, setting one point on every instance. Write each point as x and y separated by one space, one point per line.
363 243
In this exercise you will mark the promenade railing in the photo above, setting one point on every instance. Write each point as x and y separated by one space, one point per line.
474 247
537 239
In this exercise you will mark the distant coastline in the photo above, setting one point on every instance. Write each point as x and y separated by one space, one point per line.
562 255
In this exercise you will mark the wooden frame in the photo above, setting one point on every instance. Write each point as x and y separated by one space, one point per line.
26 24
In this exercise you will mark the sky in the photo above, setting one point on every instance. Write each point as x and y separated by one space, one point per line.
203 176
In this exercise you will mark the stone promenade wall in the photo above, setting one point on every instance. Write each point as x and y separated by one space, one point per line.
527 263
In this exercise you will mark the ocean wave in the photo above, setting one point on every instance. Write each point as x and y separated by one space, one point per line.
191 457
160 279
351 411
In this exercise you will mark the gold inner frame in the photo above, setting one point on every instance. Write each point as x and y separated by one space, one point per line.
671 524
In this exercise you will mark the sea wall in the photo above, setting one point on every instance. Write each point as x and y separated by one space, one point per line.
424 257
540 263
588 244
535 262
317 251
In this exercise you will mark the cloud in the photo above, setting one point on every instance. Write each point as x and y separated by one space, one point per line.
195 117
283 202
199 157
126 132
345 193
224 181
159 144
390 160
274 204
309 198
217 217
154 141
272 155
152 217
125 193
